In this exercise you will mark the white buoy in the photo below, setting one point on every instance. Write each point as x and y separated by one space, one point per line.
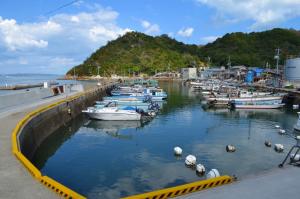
200 169
296 106
177 150
190 160
152 113
213 174
268 143
278 147
277 126
281 131
230 148
296 158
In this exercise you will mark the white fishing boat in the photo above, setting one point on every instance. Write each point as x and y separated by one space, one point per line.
259 106
112 114
257 103
297 125
246 99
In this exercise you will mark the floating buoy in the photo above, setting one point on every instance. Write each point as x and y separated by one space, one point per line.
177 150
152 113
281 131
278 147
230 148
277 126
200 169
213 174
190 160
296 106
296 158
268 144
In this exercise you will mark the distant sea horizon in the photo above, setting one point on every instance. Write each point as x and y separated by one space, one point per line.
26 78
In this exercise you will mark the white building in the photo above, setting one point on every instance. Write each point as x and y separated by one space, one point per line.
189 73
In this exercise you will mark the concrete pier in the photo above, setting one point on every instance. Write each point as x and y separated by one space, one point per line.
16 182
276 183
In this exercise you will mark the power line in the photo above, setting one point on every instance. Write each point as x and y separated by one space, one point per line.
61 7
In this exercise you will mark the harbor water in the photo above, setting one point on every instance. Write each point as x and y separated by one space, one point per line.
102 159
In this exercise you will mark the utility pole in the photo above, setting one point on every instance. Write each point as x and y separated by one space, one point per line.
74 74
277 60
229 63
277 66
208 61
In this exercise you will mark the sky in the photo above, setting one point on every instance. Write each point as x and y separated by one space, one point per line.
51 36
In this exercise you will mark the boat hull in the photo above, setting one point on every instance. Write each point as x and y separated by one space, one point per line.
272 106
113 114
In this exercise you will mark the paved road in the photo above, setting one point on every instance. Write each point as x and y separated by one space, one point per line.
15 180
277 183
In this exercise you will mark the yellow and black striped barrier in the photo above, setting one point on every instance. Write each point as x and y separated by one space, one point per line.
53 185
184 189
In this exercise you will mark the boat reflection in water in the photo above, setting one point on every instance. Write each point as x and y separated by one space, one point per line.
113 128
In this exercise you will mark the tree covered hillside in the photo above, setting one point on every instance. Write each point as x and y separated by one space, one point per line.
253 49
138 52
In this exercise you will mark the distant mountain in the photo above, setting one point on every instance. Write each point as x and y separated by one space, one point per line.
253 49
138 52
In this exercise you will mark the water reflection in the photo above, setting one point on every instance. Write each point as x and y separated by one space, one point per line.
89 159
113 128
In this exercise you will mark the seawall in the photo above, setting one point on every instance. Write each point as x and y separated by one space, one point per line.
36 126
43 124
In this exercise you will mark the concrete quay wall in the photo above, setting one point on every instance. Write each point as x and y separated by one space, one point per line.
37 125
45 123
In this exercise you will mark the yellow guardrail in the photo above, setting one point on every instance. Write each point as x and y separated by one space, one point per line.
184 189
55 186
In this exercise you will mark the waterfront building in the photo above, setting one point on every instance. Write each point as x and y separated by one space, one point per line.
189 73
292 71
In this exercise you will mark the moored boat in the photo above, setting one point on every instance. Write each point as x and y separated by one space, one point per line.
112 113
297 125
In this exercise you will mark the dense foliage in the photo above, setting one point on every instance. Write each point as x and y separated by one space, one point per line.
136 52
253 49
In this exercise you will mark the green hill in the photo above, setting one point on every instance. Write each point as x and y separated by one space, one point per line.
252 49
138 52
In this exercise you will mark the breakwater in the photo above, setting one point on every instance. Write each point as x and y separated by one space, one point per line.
36 126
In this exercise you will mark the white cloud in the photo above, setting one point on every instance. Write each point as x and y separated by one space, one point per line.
63 40
263 13
149 27
208 39
21 37
186 32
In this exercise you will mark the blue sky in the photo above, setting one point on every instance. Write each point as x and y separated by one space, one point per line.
35 40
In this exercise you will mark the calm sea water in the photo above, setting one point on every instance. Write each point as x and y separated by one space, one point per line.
13 79
113 159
